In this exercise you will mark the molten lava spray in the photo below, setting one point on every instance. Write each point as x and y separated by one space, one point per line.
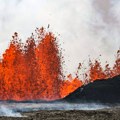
97 72
33 71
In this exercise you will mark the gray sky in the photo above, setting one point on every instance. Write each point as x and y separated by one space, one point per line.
86 27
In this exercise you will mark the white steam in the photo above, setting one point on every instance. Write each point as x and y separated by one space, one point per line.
9 108
87 27
5 111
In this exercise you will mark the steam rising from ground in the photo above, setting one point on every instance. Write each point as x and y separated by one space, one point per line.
12 109
87 27
5 111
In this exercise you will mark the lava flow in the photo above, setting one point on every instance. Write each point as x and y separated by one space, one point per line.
33 71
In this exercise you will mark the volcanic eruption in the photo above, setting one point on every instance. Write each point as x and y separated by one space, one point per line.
33 70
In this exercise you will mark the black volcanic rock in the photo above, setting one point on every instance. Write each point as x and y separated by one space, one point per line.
103 91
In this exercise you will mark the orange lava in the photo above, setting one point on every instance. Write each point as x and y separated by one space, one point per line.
33 71
97 72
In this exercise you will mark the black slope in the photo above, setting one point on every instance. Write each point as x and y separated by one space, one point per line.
103 91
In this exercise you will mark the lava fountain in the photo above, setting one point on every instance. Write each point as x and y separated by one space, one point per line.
33 71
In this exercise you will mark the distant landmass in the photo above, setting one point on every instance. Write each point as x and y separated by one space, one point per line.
103 91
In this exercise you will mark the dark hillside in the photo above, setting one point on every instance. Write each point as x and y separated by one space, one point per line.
104 91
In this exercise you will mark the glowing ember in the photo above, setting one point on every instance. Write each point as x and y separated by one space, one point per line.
33 71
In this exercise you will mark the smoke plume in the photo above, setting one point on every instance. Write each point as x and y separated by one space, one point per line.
86 27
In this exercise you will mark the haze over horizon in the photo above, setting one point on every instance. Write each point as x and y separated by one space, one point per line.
86 27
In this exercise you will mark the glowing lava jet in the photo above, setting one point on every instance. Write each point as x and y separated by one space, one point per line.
33 71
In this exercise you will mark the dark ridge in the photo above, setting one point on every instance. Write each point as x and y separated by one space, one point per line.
101 91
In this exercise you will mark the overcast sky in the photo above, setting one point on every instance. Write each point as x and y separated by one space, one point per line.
86 27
